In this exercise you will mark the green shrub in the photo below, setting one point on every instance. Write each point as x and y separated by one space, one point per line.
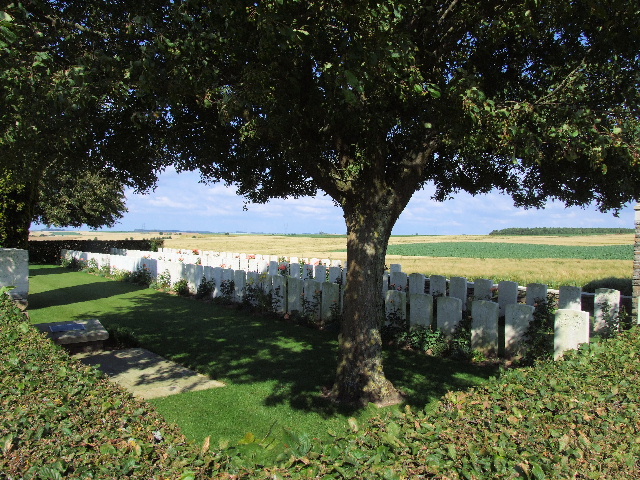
162 281
205 288
181 287
61 419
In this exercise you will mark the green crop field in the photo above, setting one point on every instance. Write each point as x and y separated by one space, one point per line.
512 251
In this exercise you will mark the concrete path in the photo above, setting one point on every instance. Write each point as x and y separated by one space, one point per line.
145 374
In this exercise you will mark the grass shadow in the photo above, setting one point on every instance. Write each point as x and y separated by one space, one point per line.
239 348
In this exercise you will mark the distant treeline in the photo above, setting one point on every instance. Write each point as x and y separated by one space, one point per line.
561 231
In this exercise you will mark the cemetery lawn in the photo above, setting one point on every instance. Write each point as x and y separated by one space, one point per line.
274 371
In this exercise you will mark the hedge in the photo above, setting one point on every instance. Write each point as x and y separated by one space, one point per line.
60 419
48 251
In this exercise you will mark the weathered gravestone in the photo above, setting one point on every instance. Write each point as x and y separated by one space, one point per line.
484 326
518 317
449 314
571 329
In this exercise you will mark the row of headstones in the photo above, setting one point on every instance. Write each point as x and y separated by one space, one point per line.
572 325
304 268
322 298
319 300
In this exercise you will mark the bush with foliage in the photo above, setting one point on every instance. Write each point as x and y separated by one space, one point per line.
60 419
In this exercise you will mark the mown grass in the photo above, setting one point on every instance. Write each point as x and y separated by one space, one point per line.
274 371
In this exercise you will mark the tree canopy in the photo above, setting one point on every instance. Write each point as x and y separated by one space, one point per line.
70 115
366 101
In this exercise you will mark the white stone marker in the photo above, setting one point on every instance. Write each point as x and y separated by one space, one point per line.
571 329
437 286
335 273
606 306
416 283
395 304
279 293
395 267
458 289
507 295
273 267
294 294
14 271
307 271
420 309
482 289
216 276
239 284
570 298
484 326
313 298
536 292
320 273
294 270
449 314
151 264
398 281
330 301
518 316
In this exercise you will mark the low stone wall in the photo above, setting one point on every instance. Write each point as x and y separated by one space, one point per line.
14 271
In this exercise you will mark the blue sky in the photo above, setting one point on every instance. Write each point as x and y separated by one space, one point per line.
180 202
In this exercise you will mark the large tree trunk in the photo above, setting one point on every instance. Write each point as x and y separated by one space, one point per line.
360 377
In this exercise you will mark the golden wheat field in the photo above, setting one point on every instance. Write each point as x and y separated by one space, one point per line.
552 271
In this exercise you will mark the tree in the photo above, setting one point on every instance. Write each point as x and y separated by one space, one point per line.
369 101
72 124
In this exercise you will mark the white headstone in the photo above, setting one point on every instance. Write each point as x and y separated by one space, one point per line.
398 281
330 301
484 326
458 289
437 285
313 298
449 314
420 309
482 289
335 274
294 270
279 294
395 304
570 298
320 273
536 292
294 294
239 284
518 317
416 283
395 267
14 271
606 308
571 329
216 276
507 295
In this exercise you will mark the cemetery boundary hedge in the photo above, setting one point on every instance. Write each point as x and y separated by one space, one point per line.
48 251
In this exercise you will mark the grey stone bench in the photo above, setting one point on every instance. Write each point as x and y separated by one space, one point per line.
77 336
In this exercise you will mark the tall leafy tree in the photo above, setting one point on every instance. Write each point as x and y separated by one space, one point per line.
71 117
368 101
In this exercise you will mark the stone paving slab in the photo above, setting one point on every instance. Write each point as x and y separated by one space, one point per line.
145 374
